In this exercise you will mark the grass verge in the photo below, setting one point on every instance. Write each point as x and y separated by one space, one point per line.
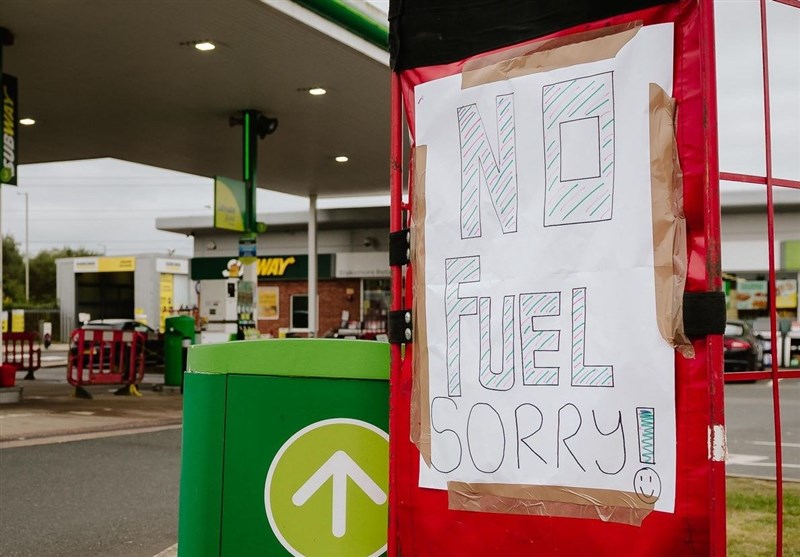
751 518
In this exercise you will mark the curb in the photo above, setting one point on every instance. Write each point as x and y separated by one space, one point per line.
55 440
99 429
169 552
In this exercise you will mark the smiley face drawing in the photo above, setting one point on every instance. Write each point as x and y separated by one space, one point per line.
647 485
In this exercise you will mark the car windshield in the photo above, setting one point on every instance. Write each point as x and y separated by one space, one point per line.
734 329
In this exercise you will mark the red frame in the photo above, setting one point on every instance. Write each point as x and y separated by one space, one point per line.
419 522
776 374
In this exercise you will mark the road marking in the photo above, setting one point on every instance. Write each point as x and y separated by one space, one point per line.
171 551
772 444
22 442
754 460
745 459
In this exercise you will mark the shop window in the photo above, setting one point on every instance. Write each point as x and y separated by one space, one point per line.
299 308
375 304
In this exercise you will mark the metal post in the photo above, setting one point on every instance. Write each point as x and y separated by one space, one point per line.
773 327
713 276
313 319
2 353
395 224
249 170
27 253
250 167
3 32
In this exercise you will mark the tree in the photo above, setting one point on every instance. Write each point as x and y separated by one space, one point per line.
42 274
13 272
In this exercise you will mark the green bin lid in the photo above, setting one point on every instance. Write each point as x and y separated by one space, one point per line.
328 358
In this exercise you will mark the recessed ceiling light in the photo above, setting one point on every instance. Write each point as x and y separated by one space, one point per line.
27 121
341 158
205 46
316 91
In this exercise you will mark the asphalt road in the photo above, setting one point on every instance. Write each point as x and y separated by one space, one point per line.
118 496
751 437
109 497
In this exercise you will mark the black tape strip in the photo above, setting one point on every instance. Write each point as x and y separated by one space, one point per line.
704 313
400 247
400 328
426 32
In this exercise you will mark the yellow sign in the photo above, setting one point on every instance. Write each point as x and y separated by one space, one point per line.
104 264
786 293
115 264
17 320
229 204
268 302
166 289
5 322
139 315
274 266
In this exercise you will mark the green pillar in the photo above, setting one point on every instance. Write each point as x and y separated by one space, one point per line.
289 454
250 167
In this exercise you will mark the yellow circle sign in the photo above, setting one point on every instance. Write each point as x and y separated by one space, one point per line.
326 493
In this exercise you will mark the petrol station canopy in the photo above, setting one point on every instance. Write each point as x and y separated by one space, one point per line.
123 80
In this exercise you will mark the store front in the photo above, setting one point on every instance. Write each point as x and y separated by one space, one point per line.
353 293
146 287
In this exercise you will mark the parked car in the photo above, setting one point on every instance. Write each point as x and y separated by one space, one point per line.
743 349
154 344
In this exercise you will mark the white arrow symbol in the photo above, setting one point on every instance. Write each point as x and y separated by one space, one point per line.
339 467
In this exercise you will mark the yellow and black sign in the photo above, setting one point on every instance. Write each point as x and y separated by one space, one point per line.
274 267
8 173
104 264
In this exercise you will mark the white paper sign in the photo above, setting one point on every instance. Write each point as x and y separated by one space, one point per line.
546 364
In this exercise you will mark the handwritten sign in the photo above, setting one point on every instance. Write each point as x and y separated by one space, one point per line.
545 363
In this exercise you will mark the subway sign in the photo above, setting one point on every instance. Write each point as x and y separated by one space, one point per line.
8 172
272 267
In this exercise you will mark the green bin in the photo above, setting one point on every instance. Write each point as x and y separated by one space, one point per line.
285 449
178 332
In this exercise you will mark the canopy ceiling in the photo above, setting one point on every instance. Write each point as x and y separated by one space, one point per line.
121 79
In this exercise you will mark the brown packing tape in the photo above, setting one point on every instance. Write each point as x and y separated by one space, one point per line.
606 505
549 54
669 223
420 411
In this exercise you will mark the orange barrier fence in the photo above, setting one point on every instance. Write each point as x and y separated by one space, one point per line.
98 357
19 350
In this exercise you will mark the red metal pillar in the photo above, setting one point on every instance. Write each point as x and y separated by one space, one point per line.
776 346
395 224
714 282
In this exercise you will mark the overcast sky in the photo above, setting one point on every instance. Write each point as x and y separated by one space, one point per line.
110 206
